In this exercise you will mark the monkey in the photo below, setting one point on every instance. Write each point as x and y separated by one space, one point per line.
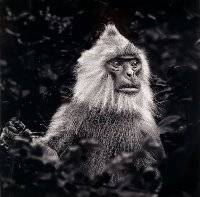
112 103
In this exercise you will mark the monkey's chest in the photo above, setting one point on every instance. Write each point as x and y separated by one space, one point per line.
113 134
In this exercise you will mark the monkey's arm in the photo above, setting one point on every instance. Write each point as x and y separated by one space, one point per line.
62 129
15 129
60 135
152 142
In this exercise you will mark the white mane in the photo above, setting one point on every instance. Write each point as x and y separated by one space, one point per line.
94 84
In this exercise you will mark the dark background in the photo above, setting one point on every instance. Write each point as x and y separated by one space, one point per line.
42 39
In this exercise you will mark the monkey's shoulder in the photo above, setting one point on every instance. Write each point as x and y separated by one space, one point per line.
67 113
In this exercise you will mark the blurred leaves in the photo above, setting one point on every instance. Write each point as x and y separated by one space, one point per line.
27 167
41 41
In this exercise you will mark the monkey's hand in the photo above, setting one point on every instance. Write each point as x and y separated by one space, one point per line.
14 128
12 135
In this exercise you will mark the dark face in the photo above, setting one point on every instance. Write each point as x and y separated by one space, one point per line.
126 72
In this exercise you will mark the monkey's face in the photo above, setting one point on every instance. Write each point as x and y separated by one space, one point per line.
126 72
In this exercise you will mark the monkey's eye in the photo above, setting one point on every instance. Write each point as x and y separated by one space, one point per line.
116 64
135 62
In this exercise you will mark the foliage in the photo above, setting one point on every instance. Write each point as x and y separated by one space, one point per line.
41 41
29 171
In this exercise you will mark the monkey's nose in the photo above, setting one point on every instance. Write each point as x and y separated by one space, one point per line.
129 73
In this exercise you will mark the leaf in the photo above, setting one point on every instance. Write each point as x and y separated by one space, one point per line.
169 120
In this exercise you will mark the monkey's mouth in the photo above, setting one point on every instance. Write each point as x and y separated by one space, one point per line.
130 89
